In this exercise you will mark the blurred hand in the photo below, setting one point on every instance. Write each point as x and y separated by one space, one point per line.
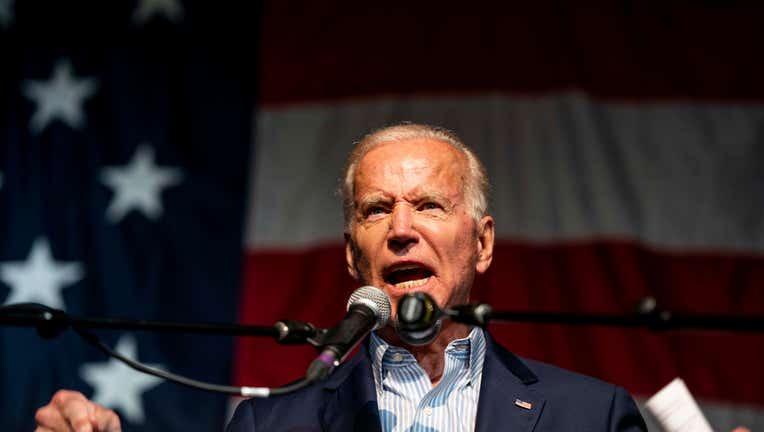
741 429
72 411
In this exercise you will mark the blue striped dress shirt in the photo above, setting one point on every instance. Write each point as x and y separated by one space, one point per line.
407 400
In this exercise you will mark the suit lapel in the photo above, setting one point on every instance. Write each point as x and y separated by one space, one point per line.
507 401
352 406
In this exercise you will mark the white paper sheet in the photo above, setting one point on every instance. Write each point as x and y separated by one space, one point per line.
676 410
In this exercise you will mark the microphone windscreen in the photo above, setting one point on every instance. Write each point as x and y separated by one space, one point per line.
419 319
375 299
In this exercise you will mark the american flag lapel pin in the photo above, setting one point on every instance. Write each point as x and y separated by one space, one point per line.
523 404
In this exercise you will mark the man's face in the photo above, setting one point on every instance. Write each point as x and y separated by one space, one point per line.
411 230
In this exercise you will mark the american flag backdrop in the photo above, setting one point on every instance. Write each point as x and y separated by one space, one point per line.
126 131
177 160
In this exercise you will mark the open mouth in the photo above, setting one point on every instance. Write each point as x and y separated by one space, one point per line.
408 276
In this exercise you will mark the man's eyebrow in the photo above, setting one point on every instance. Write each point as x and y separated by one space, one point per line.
431 195
416 197
373 198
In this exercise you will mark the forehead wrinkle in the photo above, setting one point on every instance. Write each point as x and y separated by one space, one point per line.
424 193
417 195
409 171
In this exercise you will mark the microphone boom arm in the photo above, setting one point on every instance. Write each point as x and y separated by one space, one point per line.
50 323
418 312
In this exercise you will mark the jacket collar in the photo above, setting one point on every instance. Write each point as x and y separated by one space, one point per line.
352 398
507 398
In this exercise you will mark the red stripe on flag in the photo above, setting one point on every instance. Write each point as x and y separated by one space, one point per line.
596 277
311 286
637 51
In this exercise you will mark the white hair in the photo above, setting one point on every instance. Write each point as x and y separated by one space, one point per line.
476 187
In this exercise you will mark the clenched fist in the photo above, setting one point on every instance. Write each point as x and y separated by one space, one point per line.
72 411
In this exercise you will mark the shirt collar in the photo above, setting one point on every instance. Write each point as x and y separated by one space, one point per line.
472 346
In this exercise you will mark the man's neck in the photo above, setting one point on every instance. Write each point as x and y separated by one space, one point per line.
431 356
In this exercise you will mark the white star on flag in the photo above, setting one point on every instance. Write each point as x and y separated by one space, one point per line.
138 185
61 97
6 15
119 387
40 278
147 9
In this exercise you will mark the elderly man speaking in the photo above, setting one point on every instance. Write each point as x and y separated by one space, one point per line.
415 202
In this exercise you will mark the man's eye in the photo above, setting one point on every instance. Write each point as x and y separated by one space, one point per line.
430 206
371 211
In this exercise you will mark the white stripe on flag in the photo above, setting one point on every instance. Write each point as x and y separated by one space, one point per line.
564 167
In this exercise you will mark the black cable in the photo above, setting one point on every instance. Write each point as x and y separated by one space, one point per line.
262 392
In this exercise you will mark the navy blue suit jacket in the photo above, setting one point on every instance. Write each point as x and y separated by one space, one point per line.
559 400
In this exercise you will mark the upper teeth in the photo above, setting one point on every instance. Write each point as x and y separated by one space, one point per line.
412 283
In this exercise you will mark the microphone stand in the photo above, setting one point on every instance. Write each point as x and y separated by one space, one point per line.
50 323
648 316
418 313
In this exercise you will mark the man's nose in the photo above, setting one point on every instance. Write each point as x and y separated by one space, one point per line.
402 227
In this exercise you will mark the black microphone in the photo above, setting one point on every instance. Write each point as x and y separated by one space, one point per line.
368 309
419 319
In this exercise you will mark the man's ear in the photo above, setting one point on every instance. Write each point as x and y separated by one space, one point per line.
485 239
350 256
